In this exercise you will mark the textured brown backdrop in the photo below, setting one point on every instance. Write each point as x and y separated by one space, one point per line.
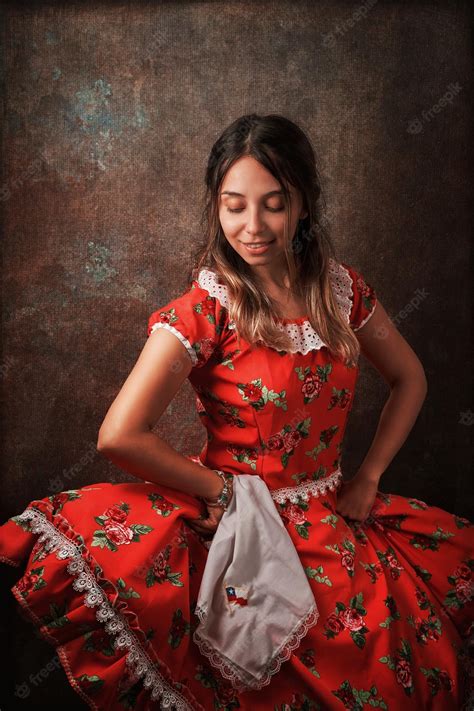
110 112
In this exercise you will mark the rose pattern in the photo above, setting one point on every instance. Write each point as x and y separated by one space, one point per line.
115 532
258 395
163 506
346 552
313 382
462 591
349 618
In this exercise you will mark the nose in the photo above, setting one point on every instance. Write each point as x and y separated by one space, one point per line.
255 224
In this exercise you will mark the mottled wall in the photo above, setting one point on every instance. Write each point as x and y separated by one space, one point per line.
110 112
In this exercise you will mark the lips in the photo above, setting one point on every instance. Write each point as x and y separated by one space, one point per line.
260 244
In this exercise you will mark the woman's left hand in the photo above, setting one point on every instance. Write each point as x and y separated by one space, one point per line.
356 498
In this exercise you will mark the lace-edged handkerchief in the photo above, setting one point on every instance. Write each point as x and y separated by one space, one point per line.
255 603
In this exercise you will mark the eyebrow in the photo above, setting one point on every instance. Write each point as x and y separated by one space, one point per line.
232 192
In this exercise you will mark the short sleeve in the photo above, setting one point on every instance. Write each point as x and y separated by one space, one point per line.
192 317
363 299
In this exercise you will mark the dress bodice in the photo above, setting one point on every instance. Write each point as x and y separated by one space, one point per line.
278 414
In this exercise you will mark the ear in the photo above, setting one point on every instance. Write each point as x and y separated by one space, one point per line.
303 215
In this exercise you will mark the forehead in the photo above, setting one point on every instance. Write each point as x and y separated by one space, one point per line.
247 176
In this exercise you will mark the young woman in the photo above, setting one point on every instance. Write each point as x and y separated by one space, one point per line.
269 331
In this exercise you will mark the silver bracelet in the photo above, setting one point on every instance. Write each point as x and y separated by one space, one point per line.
224 498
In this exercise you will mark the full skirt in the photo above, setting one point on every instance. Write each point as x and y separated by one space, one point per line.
110 574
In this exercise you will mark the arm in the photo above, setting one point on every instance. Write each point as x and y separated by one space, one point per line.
125 436
387 350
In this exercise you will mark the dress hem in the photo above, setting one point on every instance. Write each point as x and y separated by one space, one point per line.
61 652
119 621
8 561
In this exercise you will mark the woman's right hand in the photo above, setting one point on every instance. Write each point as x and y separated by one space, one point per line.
207 525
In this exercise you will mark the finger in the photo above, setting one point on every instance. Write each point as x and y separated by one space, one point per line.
198 524
212 528
196 527
202 527
203 534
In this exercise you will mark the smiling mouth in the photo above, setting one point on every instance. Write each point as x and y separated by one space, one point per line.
257 244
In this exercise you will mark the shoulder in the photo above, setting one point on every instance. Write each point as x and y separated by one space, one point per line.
195 317
196 298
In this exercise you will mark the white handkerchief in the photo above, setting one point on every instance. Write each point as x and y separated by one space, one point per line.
255 603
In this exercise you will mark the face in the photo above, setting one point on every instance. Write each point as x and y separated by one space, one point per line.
252 210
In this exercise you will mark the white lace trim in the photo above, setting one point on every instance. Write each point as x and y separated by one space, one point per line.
303 336
183 340
115 623
234 674
364 321
307 489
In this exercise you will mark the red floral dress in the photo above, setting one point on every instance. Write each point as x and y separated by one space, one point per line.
110 573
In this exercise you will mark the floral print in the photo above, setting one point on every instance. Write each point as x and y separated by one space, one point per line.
463 586
313 382
115 531
163 506
257 395
179 628
349 618
31 581
161 572
346 551
110 573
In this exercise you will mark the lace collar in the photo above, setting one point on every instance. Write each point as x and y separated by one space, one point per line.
303 336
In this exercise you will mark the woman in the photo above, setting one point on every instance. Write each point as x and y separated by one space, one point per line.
269 333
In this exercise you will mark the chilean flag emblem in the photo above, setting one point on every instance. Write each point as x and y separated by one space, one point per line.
236 595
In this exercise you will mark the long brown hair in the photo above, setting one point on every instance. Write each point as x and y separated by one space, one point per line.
286 152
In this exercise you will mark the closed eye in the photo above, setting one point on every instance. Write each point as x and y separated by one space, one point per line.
272 209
